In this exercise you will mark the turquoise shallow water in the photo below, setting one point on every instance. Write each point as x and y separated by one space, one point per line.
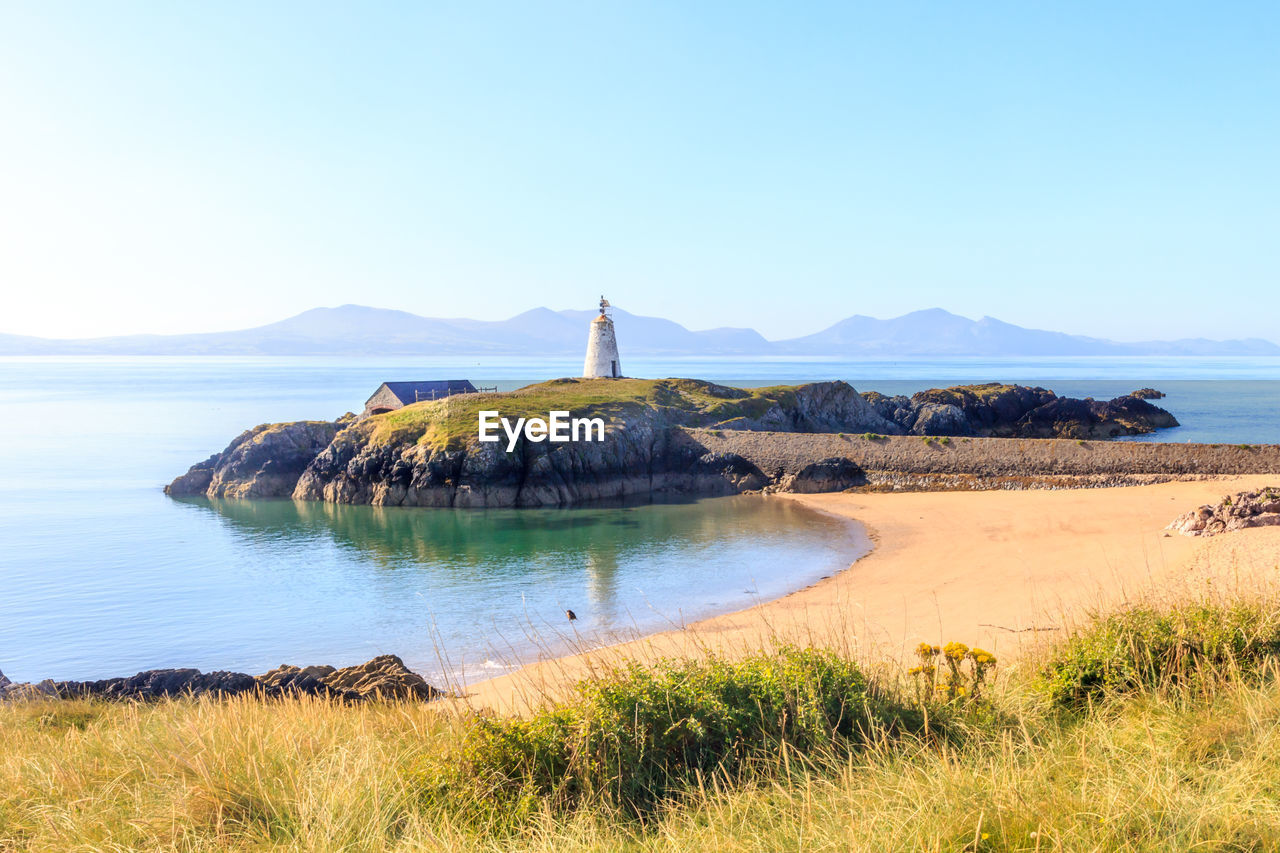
101 574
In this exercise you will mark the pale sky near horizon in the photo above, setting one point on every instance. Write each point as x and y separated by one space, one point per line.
1094 168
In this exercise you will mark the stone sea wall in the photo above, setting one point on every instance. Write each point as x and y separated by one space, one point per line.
780 455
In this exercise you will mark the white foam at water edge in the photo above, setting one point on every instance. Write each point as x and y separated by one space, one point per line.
480 671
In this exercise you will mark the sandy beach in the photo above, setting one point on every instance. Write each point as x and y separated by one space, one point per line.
1004 570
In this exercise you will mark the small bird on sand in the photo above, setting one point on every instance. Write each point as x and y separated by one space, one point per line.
572 616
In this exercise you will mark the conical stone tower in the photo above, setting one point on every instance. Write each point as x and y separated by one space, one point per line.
602 347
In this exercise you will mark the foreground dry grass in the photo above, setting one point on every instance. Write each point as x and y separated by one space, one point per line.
303 774
1152 772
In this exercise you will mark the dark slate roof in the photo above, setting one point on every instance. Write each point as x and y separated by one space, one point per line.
413 392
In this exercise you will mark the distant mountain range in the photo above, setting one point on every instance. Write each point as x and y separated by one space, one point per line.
359 330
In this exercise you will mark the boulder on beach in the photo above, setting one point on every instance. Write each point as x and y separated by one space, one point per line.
834 474
1234 512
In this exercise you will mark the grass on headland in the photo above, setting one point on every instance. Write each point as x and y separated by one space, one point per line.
452 423
1123 738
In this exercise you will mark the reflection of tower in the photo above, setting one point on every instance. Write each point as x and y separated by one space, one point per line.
602 582
602 347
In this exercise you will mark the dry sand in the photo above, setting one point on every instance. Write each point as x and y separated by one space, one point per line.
1002 570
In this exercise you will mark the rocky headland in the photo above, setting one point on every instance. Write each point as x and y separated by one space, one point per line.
384 677
668 437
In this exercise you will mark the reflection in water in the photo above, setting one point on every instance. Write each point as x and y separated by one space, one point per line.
496 582
396 537
602 583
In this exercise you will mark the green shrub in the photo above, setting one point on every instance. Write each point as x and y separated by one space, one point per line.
633 738
1146 649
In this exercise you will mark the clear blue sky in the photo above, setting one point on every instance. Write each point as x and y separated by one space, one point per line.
1099 168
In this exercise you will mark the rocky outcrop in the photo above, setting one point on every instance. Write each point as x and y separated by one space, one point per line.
1147 394
826 407
263 462
149 685
384 677
1233 512
1017 411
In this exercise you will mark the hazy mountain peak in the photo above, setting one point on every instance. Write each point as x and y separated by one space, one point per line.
352 329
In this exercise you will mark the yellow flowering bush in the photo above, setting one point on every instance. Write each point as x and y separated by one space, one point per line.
966 672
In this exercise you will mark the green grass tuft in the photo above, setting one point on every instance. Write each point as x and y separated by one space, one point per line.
1150 649
632 739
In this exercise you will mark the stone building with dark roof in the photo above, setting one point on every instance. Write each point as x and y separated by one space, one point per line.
396 395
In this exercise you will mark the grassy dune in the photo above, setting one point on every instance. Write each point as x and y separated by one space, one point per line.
1151 729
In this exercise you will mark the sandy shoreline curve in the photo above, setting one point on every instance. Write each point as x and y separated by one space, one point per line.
1004 570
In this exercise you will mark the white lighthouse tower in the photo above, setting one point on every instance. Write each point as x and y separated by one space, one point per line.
602 347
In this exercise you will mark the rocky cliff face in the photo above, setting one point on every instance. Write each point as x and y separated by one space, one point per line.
263 462
1017 411
656 442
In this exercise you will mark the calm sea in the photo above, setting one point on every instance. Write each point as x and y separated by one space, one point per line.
101 574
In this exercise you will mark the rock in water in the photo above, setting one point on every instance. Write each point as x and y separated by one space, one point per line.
1233 512
1147 394
159 684
384 677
